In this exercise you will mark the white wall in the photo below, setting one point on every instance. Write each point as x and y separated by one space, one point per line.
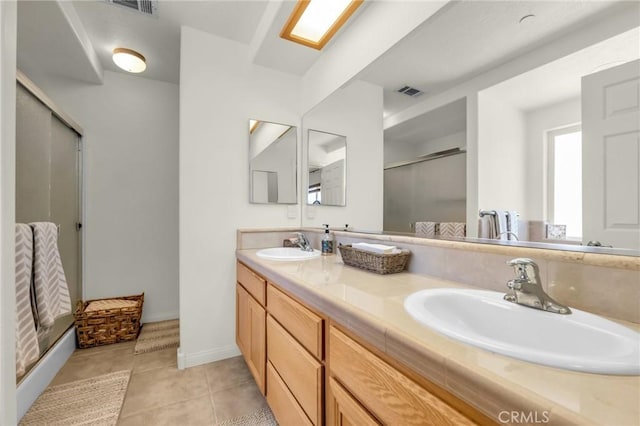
219 91
347 55
501 155
454 140
538 123
354 112
131 186
622 19
396 152
8 21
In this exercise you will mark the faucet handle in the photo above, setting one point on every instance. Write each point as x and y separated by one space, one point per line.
520 266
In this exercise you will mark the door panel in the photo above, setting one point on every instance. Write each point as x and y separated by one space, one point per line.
65 202
611 156
48 170
33 153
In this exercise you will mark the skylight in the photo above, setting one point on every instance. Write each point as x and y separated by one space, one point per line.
313 22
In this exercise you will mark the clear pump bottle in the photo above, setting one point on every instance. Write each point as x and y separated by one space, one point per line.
327 241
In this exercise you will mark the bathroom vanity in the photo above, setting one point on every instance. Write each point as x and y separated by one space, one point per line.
331 344
314 370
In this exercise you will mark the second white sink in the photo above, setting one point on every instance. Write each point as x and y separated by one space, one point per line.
579 341
287 253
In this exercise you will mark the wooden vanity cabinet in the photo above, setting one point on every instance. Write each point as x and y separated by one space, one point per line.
313 372
251 323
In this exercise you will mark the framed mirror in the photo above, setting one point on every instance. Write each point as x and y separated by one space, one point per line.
327 169
273 159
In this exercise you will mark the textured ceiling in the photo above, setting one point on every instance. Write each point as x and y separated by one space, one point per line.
466 38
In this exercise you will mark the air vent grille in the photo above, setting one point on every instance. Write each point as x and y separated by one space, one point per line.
410 91
148 7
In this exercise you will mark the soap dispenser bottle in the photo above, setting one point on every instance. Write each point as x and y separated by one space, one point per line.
327 242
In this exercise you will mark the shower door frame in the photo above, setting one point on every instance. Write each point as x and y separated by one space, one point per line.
56 111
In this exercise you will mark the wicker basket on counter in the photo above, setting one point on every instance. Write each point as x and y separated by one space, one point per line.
105 321
375 262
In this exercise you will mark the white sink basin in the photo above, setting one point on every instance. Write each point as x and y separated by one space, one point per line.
287 253
579 341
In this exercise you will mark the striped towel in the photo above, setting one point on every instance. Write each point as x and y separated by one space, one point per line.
50 284
27 350
453 229
426 229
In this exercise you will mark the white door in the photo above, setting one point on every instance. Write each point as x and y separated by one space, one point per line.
611 156
332 184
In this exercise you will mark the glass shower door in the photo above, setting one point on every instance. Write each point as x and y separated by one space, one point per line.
48 183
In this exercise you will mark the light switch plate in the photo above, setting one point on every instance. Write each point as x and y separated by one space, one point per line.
311 212
292 212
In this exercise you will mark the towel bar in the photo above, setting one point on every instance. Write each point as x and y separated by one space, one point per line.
487 212
483 213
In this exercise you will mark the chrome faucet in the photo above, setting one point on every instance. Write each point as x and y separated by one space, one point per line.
526 289
303 242
509 234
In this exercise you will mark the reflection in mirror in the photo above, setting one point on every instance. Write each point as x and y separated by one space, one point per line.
327 168
272 163
541 163
425 172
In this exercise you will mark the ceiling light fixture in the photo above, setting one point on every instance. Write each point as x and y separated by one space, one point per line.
129 60
313 22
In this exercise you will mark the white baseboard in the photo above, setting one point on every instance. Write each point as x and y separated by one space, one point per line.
186 360
45 370
161 316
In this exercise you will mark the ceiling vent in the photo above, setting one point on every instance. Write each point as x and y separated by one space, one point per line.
148 7
410 91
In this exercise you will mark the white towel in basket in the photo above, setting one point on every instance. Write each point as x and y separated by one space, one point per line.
50 284
27 350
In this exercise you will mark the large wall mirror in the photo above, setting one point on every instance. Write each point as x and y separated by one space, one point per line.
540 129
327 169
273 161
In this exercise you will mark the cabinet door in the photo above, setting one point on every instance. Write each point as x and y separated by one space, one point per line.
346 410
250 334
393 397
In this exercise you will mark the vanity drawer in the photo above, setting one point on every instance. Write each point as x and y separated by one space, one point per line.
282 402
299 321
251 281
301 372
387 393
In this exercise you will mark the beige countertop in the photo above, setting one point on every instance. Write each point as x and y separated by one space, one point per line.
371 305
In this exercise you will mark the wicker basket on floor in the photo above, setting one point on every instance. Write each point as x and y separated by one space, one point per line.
108 324
375 262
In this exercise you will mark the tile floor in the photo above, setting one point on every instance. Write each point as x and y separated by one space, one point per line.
160 394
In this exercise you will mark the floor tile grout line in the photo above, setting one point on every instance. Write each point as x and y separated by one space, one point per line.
125 395
137 413
213 404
